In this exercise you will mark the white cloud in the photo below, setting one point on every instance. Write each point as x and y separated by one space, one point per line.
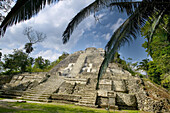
48 54
52 21
6 51
106 36
117 24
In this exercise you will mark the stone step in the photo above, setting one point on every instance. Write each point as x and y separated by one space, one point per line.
88 98
88 95
43 91
8 96
29 94
28 98
89 90
45 95
87 102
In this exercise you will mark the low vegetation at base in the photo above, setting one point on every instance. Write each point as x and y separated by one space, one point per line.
53 108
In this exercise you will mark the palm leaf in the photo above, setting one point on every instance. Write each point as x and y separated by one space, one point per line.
149 12
155 23
97 5
23 10
125 33
128 30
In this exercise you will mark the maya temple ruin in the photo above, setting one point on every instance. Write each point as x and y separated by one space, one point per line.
74 80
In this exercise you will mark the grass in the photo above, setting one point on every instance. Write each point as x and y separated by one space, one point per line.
16 107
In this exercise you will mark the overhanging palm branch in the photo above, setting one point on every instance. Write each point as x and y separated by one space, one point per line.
94 7
128 30
154 23
23 10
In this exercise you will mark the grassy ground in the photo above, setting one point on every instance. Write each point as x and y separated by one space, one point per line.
16 107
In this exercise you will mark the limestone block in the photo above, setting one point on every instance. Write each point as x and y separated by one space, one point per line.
76 80
105 84
90 50
106 81
20 77
112 101
66 88
119 86
79 88
74 98
106 102
103 102
123 99
116 71
66 71
94 70
111 94
87 67
102 93
15 77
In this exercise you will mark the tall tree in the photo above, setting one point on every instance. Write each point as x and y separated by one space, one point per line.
18 61
139 12
41 63
33 37
143 65
159 50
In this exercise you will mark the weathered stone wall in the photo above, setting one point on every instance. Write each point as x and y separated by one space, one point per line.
4 79
24 81
145 101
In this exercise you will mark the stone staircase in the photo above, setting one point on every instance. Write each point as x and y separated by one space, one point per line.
43 91
10 93
78 65
88 97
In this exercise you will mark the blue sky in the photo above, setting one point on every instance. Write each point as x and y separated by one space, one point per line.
53 20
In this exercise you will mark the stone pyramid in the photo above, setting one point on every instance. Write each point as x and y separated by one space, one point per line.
74 80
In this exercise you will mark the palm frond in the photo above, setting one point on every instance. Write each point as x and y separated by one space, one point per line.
157 19
126 32
97 5
80 17
23 10
150 8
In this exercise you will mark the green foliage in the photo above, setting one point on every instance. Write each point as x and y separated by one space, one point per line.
144 66
19 61
41 63
44 65
122 63
53 64
16 62
0 55
159 50
154 72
